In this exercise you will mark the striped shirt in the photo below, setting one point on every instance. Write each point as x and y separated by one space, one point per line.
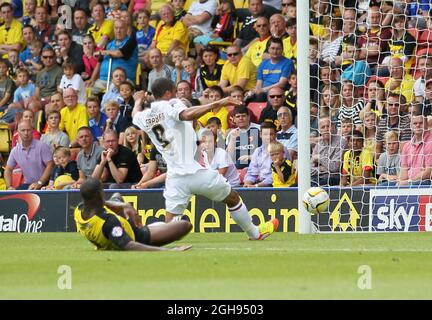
351 113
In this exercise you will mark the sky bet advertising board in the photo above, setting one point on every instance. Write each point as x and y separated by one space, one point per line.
400 210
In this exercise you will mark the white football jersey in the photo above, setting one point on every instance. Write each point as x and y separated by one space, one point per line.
175 139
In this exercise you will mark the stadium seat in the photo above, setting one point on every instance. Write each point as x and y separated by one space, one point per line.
17 178
256 108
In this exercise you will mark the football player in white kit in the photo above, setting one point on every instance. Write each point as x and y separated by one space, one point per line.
168 123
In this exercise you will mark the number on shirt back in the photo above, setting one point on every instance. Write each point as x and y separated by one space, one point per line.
159 132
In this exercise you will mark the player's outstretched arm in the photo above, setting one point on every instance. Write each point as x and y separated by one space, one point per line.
193 113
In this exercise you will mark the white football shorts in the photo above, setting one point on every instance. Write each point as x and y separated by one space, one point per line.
206 182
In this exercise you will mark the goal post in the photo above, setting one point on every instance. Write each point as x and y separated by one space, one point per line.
303 120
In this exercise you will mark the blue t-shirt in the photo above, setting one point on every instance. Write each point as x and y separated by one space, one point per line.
24 93
25 55
270 73
144 40
97 128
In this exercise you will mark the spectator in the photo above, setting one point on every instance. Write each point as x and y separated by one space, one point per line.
394 120
134 140
70 51
28 34
257 49
179 73
290 41
144 34
332 44
355 70
210 71
71 79
237 71
155 175
244 139
56 103
327 155
48 79
248 33
278 26
53 136
222 26
351 106
7 87
283 171
126 100
28 18
65 167
275 101
11 37
287 6
34 62
90 62
102 29
416 156
113 93
169 33
370 121
44 31
215 93
74 116
184 91
400 82
198 18
13 63
424 64
122 51
350 35
81 26
190 66
32 156
27 115
115 121
87 158
388 165
287 135
97 119
374 41
330 103
358 163
218 159
117 166
273 72
375 97
259 173
160 70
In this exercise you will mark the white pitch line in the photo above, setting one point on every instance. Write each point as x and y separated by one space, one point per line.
320 250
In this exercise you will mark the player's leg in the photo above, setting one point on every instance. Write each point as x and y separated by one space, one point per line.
241 216
177 195
164 233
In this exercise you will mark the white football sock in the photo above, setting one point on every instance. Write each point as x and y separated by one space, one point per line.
240 215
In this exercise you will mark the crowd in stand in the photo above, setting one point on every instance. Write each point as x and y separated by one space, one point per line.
67 91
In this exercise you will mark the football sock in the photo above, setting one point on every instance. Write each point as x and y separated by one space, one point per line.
240 215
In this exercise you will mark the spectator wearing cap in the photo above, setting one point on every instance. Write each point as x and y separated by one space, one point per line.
237 71
32 156
416 156
10 32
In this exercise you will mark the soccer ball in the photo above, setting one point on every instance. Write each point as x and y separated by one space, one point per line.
316 200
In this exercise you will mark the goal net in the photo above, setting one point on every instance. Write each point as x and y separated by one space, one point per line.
371 93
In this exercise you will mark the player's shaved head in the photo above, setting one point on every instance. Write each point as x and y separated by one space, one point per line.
161 86
91 189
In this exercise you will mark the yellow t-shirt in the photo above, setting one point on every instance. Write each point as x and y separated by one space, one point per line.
244 70
354 166
290 50
222 114
72 120
11 36
256 51
107 28
92 228
289 175
165 35
406 87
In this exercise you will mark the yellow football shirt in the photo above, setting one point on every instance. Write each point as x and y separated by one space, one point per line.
165 35
107 28
256 51
12 35
222 114
354 165
244 70
72 120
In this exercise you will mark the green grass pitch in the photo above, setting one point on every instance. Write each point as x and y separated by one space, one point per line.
221 266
